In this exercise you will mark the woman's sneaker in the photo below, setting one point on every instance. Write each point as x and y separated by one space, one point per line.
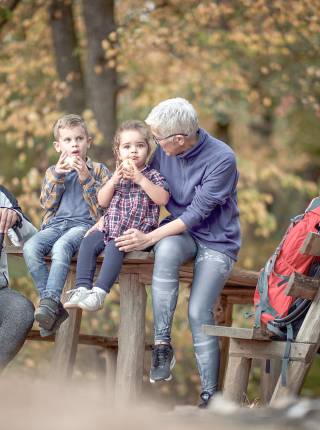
75 296
163 361
205 399
94 300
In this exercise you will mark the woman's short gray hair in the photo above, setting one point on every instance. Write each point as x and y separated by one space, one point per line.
173 116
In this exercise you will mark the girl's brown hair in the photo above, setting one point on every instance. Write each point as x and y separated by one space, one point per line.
136 125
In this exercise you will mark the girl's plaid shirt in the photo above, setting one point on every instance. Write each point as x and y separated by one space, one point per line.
53 188
131 207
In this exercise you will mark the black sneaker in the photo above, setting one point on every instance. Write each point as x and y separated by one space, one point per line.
205 400
163 361
61 317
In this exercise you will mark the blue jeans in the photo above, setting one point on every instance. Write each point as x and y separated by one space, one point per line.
90 248
211 270
63 240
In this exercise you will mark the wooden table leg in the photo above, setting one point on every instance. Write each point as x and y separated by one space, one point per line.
110 355
237 377
66 342
131 339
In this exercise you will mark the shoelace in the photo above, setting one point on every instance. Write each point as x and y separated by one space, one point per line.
73 292
160 355
97 295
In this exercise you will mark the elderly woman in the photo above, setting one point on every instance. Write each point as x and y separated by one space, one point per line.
202 176
16 312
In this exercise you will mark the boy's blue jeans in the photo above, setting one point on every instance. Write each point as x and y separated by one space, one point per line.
63 240
211 270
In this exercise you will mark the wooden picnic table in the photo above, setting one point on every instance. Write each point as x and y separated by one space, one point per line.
135 275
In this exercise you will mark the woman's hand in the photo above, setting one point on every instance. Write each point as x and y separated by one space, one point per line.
133 240
8 218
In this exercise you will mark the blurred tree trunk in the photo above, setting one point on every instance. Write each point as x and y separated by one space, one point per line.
222 127
67 57
101 80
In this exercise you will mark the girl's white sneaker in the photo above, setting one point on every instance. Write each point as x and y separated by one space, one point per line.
94 300
75 296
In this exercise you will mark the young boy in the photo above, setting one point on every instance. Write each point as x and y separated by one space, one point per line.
69 198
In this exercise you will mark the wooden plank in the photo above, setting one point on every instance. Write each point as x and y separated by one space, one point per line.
141 261
302 352
236 379
302 286
67 338
131 340
311 245
84 339
309 332
235 332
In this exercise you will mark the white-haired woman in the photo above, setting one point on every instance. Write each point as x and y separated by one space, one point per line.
202 176
16 312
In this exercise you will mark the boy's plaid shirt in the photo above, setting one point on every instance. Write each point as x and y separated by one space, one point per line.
131 207
53 188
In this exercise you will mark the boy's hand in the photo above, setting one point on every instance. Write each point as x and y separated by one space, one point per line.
81 168
62 167
132 173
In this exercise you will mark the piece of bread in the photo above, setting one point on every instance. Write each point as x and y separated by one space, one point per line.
70 161
127 164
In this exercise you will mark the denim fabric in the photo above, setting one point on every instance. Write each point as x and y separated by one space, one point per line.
90 248
211 270
63 240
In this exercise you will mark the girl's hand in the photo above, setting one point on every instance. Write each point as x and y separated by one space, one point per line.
117 175
98 226
132 240
62 167
132 173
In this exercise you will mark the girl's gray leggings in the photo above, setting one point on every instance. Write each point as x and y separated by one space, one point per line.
211 270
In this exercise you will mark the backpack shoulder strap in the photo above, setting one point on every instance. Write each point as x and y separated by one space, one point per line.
314 204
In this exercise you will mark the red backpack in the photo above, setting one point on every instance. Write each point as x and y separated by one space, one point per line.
282 314
270 299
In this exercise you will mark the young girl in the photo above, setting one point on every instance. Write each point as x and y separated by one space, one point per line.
132 197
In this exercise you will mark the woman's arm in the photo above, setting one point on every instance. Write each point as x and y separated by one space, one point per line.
134 240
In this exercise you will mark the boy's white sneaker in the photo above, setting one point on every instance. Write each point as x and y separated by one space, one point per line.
94 300
75 296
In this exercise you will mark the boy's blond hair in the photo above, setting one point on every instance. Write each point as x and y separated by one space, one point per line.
69 121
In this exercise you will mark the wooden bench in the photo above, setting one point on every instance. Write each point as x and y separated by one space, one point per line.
249 344
136 273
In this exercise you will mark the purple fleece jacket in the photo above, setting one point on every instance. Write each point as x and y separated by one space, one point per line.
202 184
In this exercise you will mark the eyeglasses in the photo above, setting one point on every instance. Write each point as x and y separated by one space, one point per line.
157 140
